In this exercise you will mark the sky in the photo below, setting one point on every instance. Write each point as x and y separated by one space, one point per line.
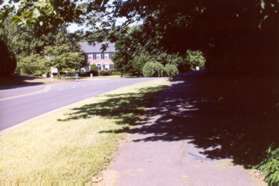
73 27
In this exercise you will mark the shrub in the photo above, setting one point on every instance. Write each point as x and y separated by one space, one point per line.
105 73
94 70
175 59
33 64
116 73
138 62
153 69
171 70
165 58
7 62
270 167
195 58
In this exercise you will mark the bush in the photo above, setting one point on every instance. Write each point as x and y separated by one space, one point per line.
105 73
116 73
153 69
165 58
174 59
33 64
195 58
270 167
7 62
94 70
138 63
171 70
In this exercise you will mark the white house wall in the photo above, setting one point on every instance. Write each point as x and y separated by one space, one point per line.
102 64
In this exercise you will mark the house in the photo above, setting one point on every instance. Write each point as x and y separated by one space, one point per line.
99 54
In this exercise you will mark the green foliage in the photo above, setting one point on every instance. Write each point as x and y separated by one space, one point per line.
270 167
229 31
94 70
195 58
45 16
166 58
59 47
116 73
133 53
8 60
33 64
105 73
153 69
171 70
138 63
63 58
175 59
131 47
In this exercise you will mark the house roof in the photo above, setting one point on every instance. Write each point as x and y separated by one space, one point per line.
87 47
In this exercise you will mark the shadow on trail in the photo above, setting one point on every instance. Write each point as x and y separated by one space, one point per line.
224 117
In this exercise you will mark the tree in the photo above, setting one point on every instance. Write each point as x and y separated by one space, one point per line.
33 64
31 51
7 62
45 16
130 45
229 32
195 59
63 58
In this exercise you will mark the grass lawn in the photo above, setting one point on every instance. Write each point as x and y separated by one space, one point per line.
70 145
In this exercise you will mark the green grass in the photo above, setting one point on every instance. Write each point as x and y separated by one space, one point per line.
69 145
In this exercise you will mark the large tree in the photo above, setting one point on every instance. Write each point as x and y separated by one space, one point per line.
237 36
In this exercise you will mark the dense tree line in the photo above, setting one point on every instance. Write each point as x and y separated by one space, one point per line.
34 54
237 36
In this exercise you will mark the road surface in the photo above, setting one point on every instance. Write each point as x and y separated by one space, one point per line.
22 103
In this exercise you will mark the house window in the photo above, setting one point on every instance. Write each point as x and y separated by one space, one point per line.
99 67
106 56
90 56
102 56
110 55
110 66
94 56
98 56
104 67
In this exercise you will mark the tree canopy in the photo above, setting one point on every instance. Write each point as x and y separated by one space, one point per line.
236 36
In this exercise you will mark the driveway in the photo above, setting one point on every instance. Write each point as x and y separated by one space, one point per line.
23 103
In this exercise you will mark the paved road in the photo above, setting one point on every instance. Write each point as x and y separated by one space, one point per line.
19 104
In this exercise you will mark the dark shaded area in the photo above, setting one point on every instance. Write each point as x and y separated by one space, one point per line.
238 37
7 61
17 81
225 117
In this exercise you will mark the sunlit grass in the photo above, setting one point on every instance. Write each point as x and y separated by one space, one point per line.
48 150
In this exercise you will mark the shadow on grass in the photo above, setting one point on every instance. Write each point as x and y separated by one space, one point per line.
129 109
224 117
